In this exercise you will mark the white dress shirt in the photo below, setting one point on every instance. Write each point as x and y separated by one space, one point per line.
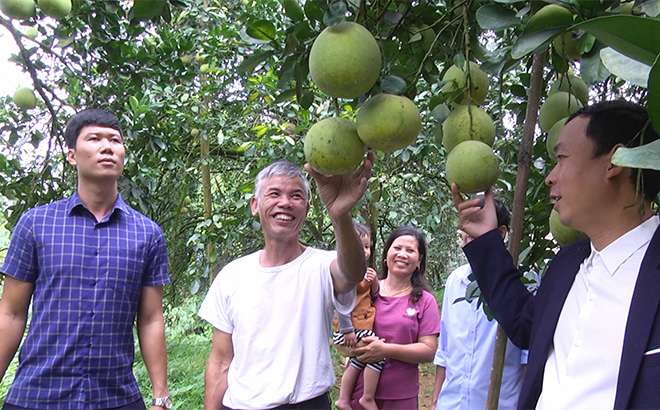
465 350
582 368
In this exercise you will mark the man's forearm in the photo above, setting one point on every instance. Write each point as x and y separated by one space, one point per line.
154 352
11 329
215 386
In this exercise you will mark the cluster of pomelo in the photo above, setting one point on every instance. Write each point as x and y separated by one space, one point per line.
345 62
468 133
566 95
22 10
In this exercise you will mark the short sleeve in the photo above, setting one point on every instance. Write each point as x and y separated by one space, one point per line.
345 302
214 308
429 319
156 266
440 358
21 260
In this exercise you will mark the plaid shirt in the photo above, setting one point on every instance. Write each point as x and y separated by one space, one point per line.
88 277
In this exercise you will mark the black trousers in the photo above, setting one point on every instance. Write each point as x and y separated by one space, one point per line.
321 402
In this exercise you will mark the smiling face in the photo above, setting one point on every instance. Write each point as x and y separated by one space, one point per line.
282 207
98 155
578 183
403 256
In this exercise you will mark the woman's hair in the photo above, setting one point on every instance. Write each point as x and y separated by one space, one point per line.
416 281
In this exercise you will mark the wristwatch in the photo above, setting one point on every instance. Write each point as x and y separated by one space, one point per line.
164 402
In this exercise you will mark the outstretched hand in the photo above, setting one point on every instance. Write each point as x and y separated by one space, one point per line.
340 193
476 216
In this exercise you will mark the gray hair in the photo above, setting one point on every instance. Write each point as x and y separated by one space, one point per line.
280 168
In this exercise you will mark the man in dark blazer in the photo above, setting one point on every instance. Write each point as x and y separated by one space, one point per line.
593 328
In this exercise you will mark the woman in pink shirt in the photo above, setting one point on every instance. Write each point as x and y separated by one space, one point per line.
407 323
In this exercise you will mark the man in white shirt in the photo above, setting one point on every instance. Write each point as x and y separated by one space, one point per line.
593 328
467 340
272 310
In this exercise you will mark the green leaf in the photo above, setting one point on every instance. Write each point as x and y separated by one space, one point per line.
312 11
262 30
293 10
440 112
133 102
335 14
495 17
645 156
249 64
530 42
393 84
625 67
592 69
654 94
635 37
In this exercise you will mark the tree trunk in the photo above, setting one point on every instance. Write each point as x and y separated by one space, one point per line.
515 233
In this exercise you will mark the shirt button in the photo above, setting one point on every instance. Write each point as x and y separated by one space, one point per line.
91 314
93 283
96 252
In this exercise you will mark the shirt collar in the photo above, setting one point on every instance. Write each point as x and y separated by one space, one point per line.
616 253
75 202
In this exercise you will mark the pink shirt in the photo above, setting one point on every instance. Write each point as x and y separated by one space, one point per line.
400 321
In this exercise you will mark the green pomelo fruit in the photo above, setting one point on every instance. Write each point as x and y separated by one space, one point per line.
56 9
550 16
562 233
345 60
467 122
332 146
32 32
147 9
573 85
553 137
388 122
185 59
457 78
473 166
557 106
17 9
566 46
25 98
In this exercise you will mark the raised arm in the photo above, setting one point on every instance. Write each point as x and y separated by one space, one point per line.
339 194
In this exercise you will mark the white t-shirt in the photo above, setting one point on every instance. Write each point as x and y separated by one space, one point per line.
280 319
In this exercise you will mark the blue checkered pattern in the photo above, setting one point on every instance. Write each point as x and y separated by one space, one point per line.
88 276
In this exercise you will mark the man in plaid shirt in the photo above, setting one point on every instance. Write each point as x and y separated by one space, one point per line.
91 265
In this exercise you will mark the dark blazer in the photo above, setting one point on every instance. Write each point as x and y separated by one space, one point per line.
530 321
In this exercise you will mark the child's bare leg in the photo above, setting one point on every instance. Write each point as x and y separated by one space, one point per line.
348 381
371 378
